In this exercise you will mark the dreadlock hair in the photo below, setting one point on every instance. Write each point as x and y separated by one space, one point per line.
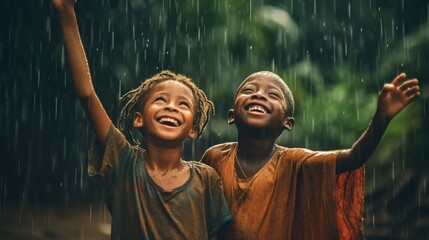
137 99
290 102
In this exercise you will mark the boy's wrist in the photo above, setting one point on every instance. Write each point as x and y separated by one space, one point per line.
381 118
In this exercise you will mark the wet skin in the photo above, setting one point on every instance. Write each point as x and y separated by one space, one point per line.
166 121
168 113
260 117
261 103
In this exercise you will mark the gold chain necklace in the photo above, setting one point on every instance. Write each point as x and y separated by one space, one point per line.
239 165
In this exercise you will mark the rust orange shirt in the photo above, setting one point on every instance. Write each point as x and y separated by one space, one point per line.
296 195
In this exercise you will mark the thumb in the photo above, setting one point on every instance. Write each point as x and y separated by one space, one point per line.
387 88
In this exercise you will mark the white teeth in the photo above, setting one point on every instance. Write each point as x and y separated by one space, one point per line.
257 108
169 120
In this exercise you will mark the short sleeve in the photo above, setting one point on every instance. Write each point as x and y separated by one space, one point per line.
105 162
316 201
219 213
319 159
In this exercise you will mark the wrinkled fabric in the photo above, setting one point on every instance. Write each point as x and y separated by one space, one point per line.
140 209
296 195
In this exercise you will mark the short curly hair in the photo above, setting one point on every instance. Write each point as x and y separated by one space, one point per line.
137 98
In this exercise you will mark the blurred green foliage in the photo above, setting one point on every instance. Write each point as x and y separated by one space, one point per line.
335 56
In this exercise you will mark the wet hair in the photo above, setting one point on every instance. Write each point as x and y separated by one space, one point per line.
137 98
290 102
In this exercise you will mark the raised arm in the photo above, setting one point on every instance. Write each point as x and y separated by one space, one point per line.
394 97
79 69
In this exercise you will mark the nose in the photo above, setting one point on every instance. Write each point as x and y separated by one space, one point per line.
259 95
171 106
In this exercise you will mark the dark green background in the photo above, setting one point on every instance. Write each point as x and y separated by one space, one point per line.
335 55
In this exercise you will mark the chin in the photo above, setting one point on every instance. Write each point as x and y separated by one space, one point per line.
256 124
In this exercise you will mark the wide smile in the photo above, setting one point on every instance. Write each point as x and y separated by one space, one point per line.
257 108
169 121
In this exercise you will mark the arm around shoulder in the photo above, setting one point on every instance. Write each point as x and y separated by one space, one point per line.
394 97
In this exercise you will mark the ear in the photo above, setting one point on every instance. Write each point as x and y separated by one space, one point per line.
231 116
288 123
138 120
192 134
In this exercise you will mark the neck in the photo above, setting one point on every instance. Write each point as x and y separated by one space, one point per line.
251 150
163 158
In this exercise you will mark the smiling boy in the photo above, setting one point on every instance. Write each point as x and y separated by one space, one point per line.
150 193
276 192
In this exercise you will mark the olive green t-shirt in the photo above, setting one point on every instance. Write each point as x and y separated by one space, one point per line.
140 209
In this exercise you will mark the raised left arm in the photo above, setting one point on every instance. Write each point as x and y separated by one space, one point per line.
394 97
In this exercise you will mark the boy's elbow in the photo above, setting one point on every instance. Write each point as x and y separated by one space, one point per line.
86 94
88 99
349 160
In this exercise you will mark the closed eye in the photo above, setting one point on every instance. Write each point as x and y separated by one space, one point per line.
247 90
275 95
183 103
159 99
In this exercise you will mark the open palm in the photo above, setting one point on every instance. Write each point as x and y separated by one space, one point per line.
397 95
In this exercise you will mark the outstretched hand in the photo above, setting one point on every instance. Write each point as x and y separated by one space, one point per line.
61 5
396 95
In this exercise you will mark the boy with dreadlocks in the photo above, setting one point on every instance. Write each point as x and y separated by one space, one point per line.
151 193
277 192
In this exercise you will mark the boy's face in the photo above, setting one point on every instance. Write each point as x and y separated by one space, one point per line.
261 103
168 113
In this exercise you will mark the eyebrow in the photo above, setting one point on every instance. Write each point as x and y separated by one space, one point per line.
273 86
166 94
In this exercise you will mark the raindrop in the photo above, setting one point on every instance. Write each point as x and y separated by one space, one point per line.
64 148
81 176
112 46
314 7
90 213
189 52
56 108
424 187
349 9
75 176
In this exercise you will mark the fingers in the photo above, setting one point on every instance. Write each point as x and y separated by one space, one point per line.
409 84
398 79
410 88
388 87
412 92
414 96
